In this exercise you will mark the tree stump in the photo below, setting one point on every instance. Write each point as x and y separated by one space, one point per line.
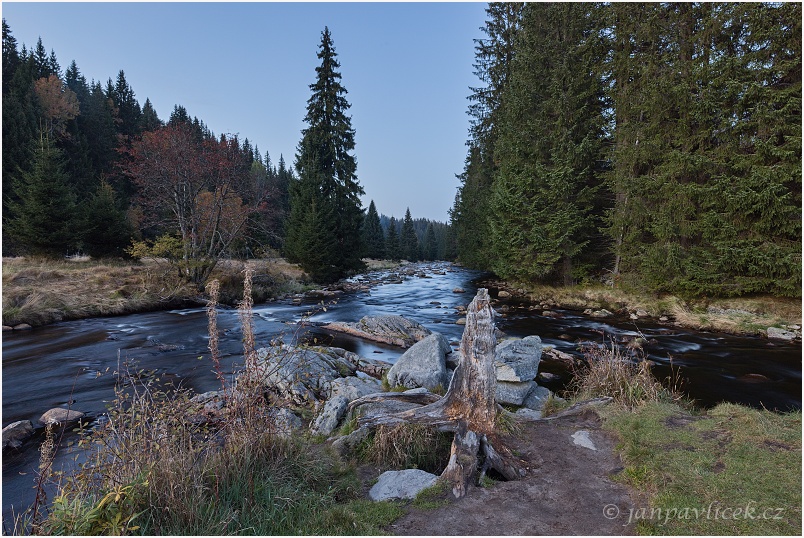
468 408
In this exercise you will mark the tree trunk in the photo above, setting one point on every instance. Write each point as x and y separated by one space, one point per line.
468 407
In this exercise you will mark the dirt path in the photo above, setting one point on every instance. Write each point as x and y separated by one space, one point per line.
566 491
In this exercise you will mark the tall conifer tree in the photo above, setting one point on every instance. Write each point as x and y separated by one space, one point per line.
327 193
373 237
44 220
550 144
494 55
409 242
392 248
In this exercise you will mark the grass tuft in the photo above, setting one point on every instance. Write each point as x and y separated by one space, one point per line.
609 371
406 446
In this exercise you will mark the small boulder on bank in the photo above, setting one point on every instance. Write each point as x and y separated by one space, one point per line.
401 484
353 388
16 433
285 421
394 330
513 393
423 365
536 397
776 333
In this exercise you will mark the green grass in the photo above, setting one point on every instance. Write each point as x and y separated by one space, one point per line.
434 497
733 470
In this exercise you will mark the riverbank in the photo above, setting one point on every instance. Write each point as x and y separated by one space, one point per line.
743 316
38 292
665 443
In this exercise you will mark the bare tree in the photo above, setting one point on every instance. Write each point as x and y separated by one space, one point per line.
195 189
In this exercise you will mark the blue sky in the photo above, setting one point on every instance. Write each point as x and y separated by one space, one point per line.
245 68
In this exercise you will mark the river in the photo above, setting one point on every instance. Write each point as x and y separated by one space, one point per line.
73 363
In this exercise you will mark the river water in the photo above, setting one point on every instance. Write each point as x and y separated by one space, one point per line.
73 363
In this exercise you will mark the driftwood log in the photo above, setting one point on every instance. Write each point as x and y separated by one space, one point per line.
468 408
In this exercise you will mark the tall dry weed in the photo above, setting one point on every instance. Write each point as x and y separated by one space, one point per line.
610 371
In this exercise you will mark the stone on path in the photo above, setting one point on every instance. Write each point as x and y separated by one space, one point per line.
401 484
581 438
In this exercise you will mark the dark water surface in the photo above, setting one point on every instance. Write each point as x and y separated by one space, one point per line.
75 361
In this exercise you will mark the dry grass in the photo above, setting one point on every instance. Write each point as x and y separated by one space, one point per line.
627 379
39 291
742 315
403 446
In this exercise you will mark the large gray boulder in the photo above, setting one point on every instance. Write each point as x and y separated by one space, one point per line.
518 360
513 393
16 433
423 365
394 330
353 387
302 374
536 397
401 484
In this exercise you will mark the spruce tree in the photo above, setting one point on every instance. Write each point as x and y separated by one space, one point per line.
392 247
129 112
150 120
327 185
549 146
373 237
430 246
471 213
105 227
11 56
409 242
44 219
707 149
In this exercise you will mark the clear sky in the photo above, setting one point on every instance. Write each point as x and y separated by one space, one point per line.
245 68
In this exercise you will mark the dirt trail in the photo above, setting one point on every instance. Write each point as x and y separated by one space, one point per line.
566 492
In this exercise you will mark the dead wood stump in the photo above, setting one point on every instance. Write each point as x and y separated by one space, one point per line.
468 408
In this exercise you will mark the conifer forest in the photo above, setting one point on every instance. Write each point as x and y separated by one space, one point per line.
650 145
653 144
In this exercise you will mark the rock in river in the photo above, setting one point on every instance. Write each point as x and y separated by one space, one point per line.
394 330
60 416
16 433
